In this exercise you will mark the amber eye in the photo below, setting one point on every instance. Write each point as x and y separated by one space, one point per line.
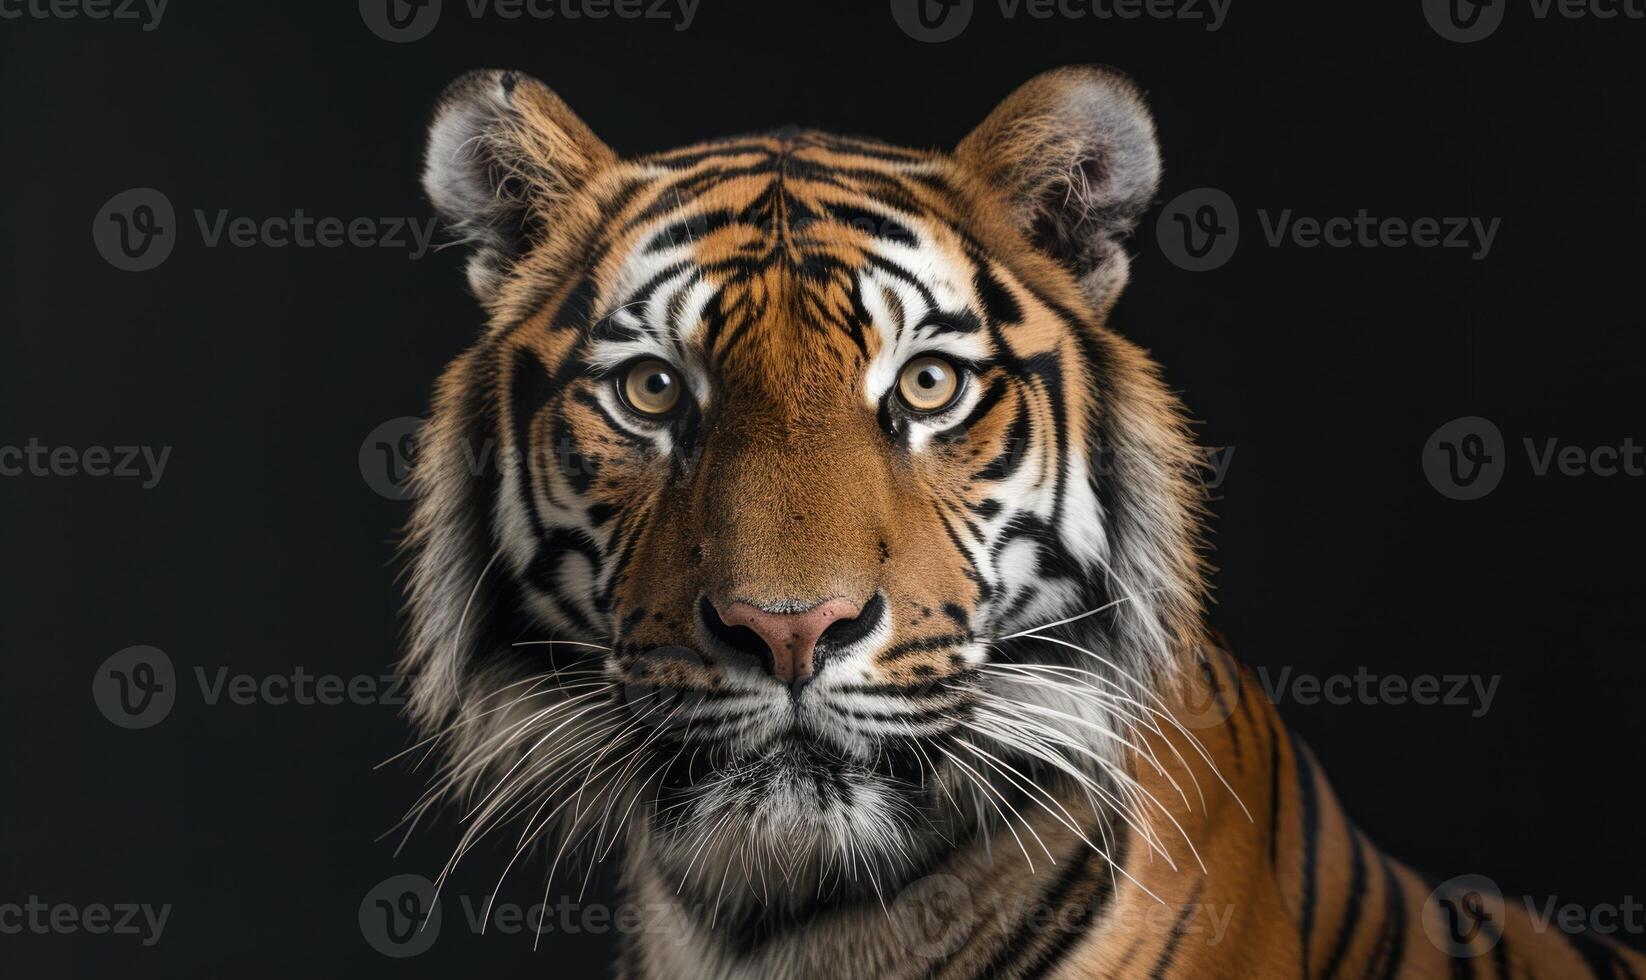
928 384
651 387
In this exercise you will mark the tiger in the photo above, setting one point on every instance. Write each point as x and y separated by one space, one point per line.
799 537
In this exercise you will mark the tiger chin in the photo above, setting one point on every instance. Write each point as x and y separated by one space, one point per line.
839 574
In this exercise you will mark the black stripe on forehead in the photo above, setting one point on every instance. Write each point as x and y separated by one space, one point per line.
688 157
577 309
867 148
888 186
784 220
607 330
691 229
875 224
782 164
999 305
857 325
905 276
733 313
941 322
894 306
715 317
643 293
678 191
741 313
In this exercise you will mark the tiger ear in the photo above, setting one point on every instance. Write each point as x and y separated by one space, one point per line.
503 152
1074 150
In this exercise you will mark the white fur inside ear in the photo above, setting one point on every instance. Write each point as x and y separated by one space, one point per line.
1098 170
1076 153
454 170
1118 137
464 179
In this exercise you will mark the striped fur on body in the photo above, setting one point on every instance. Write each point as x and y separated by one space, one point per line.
1025 562
1285 885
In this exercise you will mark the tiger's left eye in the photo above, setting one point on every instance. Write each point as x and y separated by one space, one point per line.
651 387
928 384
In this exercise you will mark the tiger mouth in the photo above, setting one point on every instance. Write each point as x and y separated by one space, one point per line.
798 757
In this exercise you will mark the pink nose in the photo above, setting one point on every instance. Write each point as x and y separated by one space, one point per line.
790 636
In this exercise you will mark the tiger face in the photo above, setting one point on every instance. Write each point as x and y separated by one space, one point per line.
796 447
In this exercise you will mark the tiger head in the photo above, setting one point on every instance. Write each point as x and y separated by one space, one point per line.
749 527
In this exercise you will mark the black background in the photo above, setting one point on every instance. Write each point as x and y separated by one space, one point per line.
1326 369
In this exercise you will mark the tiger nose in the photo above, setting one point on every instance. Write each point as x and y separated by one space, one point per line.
790 636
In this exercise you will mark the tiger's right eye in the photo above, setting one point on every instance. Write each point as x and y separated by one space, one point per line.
929 384
650 388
